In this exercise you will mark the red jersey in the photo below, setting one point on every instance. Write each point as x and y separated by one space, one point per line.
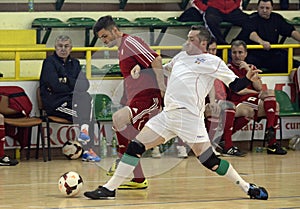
234 97
224 6
132 51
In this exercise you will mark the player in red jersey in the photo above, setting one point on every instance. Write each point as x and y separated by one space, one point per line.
144 85
253 101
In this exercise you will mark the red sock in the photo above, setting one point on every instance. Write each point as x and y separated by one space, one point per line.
2 140
239 123
211 126
270 110
124 137
273 141
228 126
138 173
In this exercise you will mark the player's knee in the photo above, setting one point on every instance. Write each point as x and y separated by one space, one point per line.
212 162
135 149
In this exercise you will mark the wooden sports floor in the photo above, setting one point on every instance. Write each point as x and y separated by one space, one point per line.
173 183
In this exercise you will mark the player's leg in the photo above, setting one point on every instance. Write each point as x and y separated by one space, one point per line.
269 108
4 159
145 140
243 114
222 167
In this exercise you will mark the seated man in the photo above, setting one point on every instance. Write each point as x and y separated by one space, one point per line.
252 101
216 11
5 160
220 117
264 29
64 90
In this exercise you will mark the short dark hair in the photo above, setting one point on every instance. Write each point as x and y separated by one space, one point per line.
239 43
212 40
265 1
105 22
204 34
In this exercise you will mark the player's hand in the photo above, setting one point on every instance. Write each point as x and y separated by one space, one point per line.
253 74
215 108
266 45
135 72
244 65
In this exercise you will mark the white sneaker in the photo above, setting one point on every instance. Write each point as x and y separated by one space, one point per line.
181 152
155 152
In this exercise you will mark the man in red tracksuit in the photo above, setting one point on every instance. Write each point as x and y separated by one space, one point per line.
217 11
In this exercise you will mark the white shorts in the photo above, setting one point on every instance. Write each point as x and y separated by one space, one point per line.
179 122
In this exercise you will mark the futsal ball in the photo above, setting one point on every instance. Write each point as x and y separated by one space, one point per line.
72 150
70 183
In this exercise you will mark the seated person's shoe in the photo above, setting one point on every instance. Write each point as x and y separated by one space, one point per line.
7 161
90 156
181 152
156 152
84 137
276 149
134 185
113 168
101 193
234 151
269 134
256 192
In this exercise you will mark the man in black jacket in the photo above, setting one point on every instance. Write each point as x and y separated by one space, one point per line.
64 89
265 28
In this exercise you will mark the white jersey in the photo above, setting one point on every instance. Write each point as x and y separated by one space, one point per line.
192 78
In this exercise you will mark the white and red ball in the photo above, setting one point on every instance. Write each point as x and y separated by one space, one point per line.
70 183
72 150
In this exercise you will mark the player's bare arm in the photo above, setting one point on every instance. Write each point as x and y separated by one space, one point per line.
158 70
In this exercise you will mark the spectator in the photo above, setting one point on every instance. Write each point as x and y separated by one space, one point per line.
217 11
141 68
264 29
64 88
5 160
192 14
252 101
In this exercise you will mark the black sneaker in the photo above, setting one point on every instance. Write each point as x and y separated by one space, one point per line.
256 192
269 134
101 193
7 161
276 149
234 151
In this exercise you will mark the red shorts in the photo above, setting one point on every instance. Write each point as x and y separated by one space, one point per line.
143 109
250 100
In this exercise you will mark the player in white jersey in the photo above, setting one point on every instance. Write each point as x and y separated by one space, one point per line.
193 74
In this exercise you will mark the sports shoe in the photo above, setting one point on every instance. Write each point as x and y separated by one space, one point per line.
234 151
181 152
134 185
101 193
276 149
7 161
156 152
113 168
269 134
84 137
90 156
256 192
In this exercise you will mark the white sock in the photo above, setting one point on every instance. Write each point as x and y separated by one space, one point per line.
233 176
124 169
